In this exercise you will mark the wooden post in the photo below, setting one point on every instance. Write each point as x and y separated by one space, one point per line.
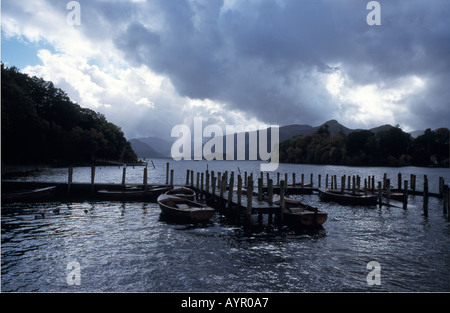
311 179
380 197
320 177
124 174
249 198
282 194
342 183
197 185
187 177
373 182
349 184
239 191
293 179
213 184
326 181
445 200
230 191
245 178
92 177
425 195
270 191
171 177
303 180
167 173
260 189
384 180
69 179
222 187
441 187
192 178
145 180
405 195
207 182
278 178
353 184
286 179
202 175
413 183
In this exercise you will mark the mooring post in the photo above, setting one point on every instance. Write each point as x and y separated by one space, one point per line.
278 178
445 200
171 177
69 179
425 195
239 191
221 190
282 194
405 195
213 184
441 187
326 181
145 180
124 174
192 178
167 173
293 179
245 178
303 180
230 191
270 191
353 184
384 180
207 178
286 179
260 189
202 184
342 183
187 177
249 198
92 177
319 178
311 177
349 183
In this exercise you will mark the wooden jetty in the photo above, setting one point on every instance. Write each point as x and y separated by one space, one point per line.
216 189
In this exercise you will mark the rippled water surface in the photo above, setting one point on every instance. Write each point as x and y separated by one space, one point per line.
128 247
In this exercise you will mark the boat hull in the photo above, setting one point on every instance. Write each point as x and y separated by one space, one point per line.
184 210
346 198
138 195
39 194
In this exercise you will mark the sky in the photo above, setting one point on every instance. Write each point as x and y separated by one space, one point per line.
149 65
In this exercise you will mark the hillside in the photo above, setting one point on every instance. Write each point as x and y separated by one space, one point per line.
41 125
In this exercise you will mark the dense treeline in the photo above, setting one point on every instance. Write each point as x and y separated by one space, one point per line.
40 124
391 147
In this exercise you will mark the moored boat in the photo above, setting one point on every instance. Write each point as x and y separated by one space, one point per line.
150 193
182 192
38 194
349 198
183 209
298 214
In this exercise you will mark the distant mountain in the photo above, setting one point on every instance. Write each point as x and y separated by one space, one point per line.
157 147
160 146
143 150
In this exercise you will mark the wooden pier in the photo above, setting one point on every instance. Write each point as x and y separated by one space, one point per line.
216 189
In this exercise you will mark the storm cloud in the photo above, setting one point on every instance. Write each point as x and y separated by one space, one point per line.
285 61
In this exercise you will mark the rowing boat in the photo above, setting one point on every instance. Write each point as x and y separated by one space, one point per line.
182 192
183 209
29 195
297 214
133 194
347 197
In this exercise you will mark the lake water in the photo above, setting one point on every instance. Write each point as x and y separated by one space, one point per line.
128 247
